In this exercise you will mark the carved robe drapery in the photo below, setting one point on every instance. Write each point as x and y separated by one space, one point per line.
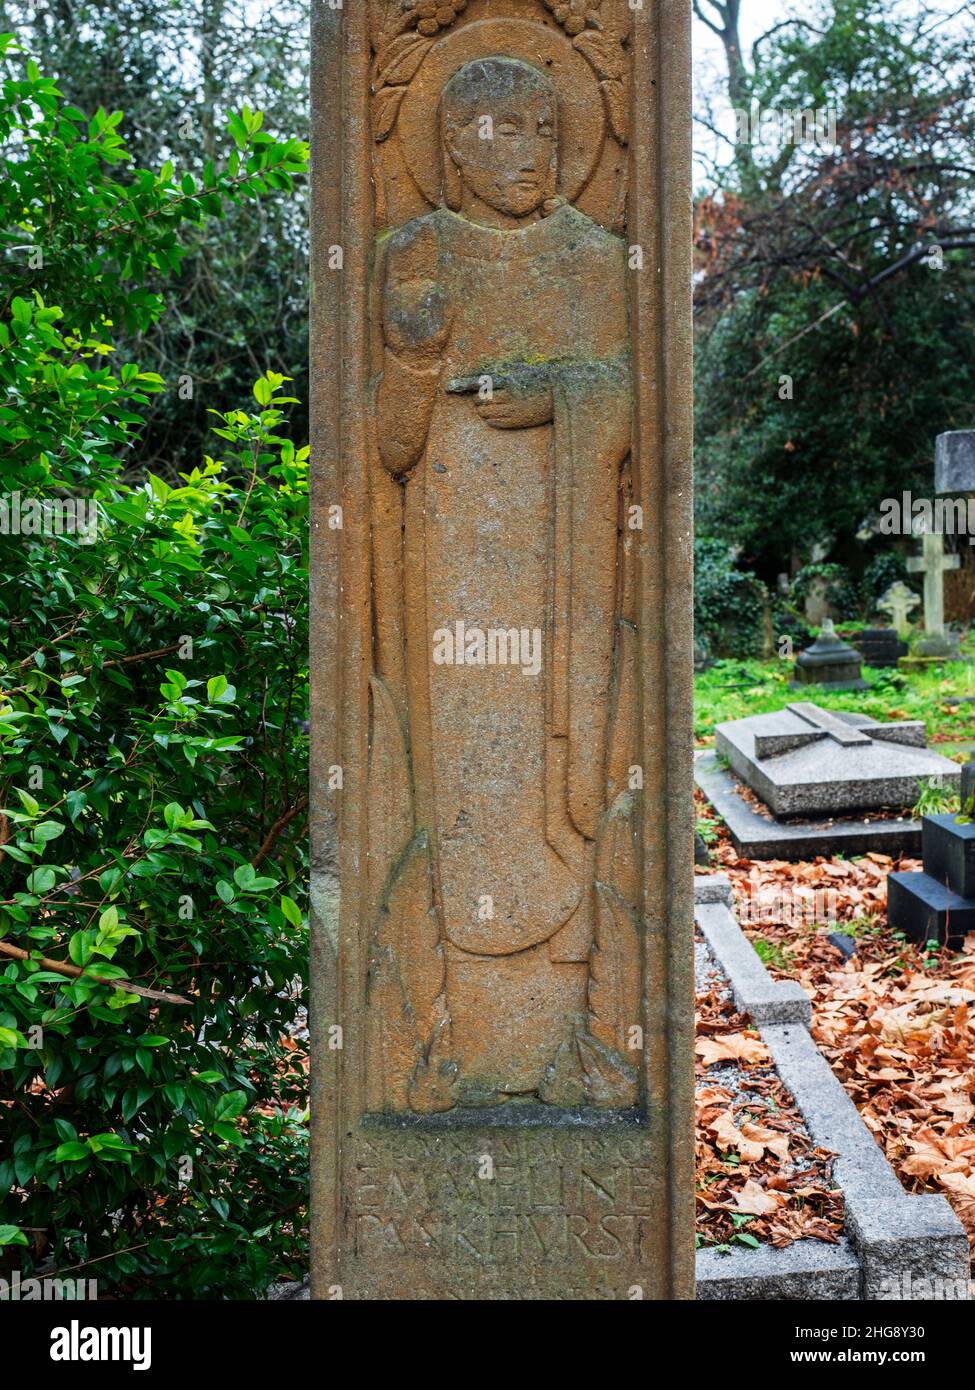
506 771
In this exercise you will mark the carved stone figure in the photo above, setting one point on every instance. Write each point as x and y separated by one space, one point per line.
505 956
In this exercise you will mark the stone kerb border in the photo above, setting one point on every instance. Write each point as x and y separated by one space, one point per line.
897 1246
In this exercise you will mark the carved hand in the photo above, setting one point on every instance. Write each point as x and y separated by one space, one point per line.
416 316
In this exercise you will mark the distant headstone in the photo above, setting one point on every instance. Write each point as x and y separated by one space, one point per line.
898 601
829 663
954 461
807 761
879 646
932 563
816 604
815 608
968 788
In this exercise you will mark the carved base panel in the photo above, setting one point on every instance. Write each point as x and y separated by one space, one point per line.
466 1210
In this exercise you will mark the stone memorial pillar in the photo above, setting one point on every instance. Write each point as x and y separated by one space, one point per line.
502 968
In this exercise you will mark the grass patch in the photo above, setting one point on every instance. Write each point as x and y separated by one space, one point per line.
771 953
733 689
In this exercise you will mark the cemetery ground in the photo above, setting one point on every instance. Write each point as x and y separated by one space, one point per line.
943 697
895 1021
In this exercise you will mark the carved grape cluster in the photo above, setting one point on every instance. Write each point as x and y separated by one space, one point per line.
434 15
574 15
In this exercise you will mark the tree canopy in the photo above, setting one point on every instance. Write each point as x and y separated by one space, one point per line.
835 295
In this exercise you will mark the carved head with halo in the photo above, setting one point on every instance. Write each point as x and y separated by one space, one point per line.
498 130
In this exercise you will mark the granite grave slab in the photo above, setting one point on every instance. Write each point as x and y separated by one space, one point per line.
758 836
808 761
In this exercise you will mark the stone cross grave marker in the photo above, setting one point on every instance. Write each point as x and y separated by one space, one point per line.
932 563
898 601
502 733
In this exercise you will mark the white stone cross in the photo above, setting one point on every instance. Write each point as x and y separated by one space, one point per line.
932 563
898 602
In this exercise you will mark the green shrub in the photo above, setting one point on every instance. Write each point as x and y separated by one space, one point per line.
153 681
882 571
838 589
729 603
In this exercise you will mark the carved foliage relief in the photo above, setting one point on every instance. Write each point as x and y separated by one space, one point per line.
501 883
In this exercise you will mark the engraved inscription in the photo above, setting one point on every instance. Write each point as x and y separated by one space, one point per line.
551 1199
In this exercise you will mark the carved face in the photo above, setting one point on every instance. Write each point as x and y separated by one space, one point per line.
499 133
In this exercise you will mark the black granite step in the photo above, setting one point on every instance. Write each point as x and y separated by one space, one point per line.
948 851
879 646
925 909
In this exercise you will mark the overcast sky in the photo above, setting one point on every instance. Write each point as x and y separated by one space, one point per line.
710 73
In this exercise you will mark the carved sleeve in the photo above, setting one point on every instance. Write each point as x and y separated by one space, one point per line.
415 325
404 404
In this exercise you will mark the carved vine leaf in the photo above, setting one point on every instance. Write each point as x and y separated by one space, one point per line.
603 54
399 60
403 31
405 34
607 58
617 109
385 109
395 67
